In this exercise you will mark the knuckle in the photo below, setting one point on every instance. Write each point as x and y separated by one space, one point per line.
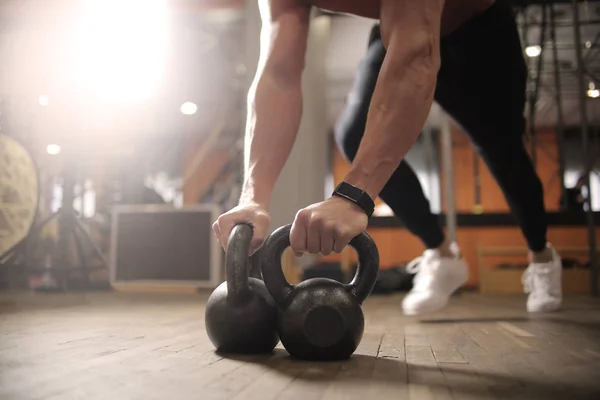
304 216
328 228
262 218
316 222
339 232
222 219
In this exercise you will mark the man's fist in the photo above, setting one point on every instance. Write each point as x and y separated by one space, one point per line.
248 213
327 226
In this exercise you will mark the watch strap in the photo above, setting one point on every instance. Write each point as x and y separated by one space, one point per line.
357 196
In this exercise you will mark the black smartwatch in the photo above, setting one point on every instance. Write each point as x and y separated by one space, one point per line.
357 196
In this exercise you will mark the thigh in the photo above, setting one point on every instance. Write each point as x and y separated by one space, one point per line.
483 78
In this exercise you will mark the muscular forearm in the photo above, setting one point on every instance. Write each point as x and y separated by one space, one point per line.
399 109
275 107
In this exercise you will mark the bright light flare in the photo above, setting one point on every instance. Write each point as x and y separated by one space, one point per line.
43 100
121 48
593 92
53 149
188 108
533 51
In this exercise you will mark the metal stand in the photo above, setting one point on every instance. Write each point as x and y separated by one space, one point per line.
448 178
587 159
560 121
70 231
548 20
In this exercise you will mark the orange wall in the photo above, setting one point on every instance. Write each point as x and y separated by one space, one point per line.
492 199
397 245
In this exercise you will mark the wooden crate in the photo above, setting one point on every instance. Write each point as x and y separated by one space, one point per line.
508 281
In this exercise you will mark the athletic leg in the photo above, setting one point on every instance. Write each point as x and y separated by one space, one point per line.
486 95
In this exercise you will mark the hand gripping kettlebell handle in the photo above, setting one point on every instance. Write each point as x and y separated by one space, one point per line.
270 262
237 262
368 267
361 286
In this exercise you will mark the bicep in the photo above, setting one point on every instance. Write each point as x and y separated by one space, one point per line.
284 37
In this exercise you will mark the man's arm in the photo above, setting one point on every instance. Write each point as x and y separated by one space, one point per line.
404 91
275 97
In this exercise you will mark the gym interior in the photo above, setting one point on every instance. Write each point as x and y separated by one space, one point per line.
121 130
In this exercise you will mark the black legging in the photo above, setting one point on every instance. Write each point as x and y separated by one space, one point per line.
481 84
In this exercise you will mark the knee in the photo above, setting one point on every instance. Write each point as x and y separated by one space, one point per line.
509 159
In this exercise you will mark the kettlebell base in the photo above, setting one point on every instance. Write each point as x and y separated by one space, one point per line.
302 349
248 348
310 353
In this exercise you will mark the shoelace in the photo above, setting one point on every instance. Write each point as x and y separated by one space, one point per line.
422 269
413 266
542 284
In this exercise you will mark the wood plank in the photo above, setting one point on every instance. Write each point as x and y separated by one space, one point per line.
390 372
353 377
103 346
425 379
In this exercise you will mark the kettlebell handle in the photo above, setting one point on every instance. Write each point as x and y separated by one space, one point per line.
237 262
361 285
368 267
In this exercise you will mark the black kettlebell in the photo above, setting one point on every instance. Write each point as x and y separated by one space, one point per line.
241 315
320 319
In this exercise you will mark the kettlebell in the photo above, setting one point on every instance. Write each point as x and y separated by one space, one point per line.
320 319
241 315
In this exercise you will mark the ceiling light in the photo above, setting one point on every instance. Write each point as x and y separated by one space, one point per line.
188 108
533 51
43 100
53 149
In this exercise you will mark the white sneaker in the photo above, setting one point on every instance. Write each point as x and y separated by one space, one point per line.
436 279
543 282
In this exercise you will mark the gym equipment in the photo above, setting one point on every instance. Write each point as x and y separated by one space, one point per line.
319 319
241 315
71 231
19 193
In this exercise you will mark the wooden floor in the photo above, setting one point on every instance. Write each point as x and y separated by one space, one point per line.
115 346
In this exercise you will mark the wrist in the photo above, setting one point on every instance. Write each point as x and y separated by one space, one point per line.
361 180
371 180
251 195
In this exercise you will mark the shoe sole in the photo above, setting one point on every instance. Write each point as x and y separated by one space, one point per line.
430 309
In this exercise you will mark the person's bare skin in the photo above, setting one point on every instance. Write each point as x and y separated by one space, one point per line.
411 31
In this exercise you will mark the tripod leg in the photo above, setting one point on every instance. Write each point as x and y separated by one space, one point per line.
92 243
25 246
10 254
84 267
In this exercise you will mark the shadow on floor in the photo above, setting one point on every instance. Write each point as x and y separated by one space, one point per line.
588 325
473 320
393 374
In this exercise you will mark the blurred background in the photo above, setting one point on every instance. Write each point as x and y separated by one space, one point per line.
122 121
